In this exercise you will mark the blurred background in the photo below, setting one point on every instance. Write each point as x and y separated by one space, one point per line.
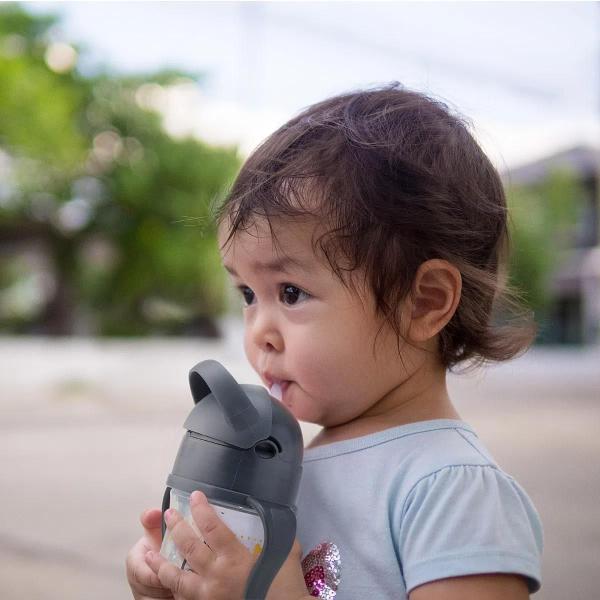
122 126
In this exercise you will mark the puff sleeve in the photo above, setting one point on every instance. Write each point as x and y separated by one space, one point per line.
467 520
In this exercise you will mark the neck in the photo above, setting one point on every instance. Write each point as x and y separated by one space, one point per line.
423 396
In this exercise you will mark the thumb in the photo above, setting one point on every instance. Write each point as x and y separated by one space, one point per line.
151 520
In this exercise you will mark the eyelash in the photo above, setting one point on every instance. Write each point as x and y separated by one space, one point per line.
283 287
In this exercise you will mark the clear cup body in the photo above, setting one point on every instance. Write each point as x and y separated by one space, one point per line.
243 521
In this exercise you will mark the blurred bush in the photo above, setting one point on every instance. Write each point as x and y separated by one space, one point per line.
104 217
546 219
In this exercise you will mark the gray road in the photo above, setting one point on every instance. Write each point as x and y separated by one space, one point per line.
88 432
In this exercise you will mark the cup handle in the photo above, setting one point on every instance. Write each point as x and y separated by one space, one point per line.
279 523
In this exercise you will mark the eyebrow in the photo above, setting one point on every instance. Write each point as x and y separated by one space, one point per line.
279 265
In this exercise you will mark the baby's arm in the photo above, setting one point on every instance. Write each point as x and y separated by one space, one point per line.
469 531
492 586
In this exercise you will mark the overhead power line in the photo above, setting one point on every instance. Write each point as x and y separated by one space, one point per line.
391 52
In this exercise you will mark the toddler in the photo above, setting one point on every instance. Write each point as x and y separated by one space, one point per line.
368 240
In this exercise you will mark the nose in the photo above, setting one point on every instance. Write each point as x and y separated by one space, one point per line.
263 331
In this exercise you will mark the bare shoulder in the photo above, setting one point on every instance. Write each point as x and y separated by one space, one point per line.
489 586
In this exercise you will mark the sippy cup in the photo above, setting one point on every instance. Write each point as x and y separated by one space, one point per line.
243 449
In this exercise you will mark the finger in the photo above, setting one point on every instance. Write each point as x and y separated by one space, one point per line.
289 581
182 583
296 551
141 577
192 547
217 535
151 520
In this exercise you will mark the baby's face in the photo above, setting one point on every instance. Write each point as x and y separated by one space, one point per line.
307 331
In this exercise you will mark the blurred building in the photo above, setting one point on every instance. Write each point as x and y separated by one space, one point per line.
575 285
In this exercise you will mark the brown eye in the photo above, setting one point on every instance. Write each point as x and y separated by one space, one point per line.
247 294
290 294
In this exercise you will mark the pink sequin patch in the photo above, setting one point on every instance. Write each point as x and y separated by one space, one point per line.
321 568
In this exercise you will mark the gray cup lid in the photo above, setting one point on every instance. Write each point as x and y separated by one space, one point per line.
239 415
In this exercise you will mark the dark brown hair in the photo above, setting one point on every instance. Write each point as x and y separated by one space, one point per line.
399 180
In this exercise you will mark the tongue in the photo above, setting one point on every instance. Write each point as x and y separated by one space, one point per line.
275 391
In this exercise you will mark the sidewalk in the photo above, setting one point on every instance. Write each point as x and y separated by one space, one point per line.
89 431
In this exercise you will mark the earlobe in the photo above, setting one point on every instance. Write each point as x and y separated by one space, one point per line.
435 295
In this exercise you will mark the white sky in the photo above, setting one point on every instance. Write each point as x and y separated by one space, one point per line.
526 73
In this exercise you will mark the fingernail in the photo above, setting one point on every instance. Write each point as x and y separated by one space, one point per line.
149 556
196 497
169 515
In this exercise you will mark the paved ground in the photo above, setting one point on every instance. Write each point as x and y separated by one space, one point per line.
88 432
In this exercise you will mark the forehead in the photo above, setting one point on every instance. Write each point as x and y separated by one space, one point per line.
285 245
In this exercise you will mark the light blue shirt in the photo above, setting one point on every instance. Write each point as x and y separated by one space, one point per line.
409 505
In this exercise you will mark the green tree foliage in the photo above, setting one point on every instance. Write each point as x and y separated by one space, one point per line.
102 212
543 221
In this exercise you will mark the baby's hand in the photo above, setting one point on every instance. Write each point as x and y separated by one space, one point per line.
220 566
143 581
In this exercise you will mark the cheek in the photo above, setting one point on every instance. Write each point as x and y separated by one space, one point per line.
250 351
326 365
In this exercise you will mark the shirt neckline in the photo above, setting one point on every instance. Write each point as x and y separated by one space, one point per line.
380 437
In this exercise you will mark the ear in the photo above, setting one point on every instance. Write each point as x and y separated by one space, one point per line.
435 294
